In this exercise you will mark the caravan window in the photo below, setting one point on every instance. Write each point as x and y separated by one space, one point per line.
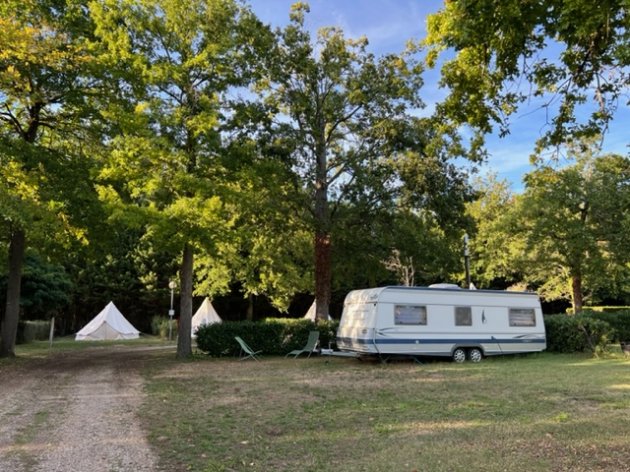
410 315
463 316
522 317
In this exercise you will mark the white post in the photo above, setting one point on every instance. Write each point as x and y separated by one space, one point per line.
467 260
171 312
52 332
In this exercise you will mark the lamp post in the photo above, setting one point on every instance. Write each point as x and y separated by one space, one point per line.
467 260
171 312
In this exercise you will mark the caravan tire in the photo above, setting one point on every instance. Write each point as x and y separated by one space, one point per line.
459 355
475 355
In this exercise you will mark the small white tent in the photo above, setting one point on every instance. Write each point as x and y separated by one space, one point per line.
108 324
312 313
206 314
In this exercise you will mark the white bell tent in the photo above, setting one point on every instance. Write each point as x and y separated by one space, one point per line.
312 313
206 314
107 325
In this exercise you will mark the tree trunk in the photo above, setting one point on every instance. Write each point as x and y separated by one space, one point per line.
8 328
184 343
250 307
323 275
576 287
323 270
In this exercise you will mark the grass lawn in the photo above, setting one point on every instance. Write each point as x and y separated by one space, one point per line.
68 343
541 412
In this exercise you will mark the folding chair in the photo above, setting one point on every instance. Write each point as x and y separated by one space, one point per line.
245 349
311 344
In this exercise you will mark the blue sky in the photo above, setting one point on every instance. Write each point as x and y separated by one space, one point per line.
388 25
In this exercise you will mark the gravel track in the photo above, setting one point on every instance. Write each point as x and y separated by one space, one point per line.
75 412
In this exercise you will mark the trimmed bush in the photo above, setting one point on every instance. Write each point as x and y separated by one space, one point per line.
38 330
579 333
605 309
619 321
159 327
273 336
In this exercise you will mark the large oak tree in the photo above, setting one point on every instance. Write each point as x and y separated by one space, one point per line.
339 109
181 59
48 66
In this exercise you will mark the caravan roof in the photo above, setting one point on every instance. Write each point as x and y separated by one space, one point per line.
377 294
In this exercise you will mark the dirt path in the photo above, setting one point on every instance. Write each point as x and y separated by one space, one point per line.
75 412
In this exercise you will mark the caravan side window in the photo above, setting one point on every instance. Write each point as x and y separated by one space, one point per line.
410 315
463 316
522 317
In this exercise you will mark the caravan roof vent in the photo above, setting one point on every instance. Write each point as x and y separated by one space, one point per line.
448 286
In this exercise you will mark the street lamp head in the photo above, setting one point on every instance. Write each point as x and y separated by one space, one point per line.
172 285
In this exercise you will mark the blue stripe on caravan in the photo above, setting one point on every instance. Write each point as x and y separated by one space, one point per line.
443 341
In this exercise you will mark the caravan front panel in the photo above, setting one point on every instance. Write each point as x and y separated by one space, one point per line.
357 327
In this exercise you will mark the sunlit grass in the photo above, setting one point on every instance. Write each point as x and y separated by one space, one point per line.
537 413
68 343
540 412
43 349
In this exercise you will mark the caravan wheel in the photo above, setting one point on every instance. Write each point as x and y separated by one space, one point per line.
459 355
475 355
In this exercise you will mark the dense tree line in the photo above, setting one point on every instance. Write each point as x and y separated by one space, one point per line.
566 235
144 140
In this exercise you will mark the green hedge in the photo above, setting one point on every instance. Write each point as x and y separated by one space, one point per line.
605 309
581 333
28 331
276 336
619 321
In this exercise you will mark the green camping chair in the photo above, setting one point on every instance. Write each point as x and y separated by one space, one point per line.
311 344
246 351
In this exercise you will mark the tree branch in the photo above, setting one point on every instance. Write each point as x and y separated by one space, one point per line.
10 117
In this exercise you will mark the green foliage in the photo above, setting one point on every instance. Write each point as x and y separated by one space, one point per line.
268 251
563 50
495 245
572 220
160 326
564 236
50 82
605 309
46 288
578 333
272 336
181 60
618 320
359 156
46 72
218 339
183 168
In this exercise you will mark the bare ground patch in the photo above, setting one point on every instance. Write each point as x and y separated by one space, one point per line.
75 411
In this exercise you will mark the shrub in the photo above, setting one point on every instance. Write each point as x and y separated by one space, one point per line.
619 321
38 330
159 327
273 336
605 309
580 333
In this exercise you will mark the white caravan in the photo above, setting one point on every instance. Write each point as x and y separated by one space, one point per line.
445 321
